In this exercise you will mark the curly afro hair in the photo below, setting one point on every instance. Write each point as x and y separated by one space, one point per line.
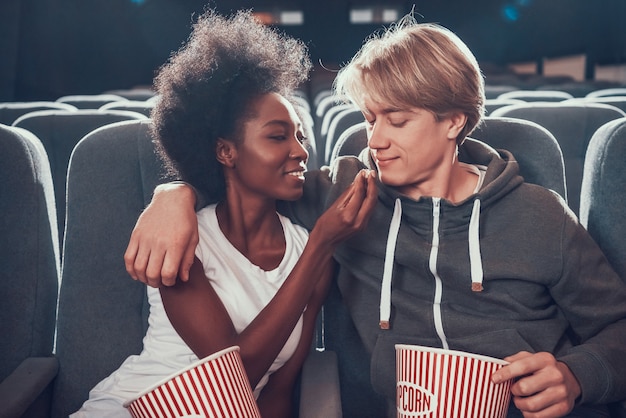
206 87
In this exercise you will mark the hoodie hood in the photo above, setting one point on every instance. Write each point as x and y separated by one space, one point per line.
435 216
501 177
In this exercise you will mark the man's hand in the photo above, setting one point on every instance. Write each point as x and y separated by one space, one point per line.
164 240
544 387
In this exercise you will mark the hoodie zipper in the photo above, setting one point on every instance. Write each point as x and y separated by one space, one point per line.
434 252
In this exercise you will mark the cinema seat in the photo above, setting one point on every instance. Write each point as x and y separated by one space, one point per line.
536 150
572 124
322 130
493 104
351 142
90 101
617 101
603 192
60 131
102 312
537 95
10 111
603 198
340 123
140 106
29 256
613 91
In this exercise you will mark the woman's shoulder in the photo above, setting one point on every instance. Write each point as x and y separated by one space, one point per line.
206 212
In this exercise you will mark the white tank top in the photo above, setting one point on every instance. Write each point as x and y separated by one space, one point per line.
245 289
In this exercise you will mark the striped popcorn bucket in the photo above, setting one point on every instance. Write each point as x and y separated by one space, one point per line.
214 387
438 383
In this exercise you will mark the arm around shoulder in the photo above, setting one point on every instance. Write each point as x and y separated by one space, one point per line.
163 242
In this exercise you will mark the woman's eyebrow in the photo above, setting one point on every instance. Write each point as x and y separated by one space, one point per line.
283 123
280 122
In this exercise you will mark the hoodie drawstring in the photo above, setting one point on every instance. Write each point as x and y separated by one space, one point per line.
385 293
476 263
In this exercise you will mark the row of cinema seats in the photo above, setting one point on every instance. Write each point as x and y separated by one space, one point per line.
60 124
110 178
140 101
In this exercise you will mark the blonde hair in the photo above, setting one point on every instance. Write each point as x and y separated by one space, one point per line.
420 65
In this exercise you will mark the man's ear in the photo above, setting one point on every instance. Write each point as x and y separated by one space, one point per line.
225 152
457 121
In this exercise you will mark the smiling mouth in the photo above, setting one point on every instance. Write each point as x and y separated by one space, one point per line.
384 160
296 173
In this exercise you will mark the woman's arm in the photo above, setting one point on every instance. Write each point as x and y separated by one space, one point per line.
276 399
198 315
202 321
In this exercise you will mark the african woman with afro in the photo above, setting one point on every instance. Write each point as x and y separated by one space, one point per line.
225 124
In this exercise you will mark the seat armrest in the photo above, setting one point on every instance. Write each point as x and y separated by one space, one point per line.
22 387
320 396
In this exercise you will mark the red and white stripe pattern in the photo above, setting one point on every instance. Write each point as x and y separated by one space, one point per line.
435 383
217 388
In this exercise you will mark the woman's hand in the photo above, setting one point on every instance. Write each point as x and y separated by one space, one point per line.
544 388
164 240
349 213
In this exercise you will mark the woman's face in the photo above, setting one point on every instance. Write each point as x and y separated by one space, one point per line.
409 146
271 159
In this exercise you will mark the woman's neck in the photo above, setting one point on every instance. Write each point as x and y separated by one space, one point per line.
254 229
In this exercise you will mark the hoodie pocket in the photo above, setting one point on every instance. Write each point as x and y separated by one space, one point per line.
498 344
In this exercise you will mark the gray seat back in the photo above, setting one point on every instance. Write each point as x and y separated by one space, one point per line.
10 111
572 124
90 101
60 131
603 192
102 315
533 146
29 250
536 95
339 124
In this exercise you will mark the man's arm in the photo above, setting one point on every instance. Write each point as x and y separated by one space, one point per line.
277 396
591 296
163 242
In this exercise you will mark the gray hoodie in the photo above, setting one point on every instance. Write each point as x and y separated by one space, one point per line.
508 269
